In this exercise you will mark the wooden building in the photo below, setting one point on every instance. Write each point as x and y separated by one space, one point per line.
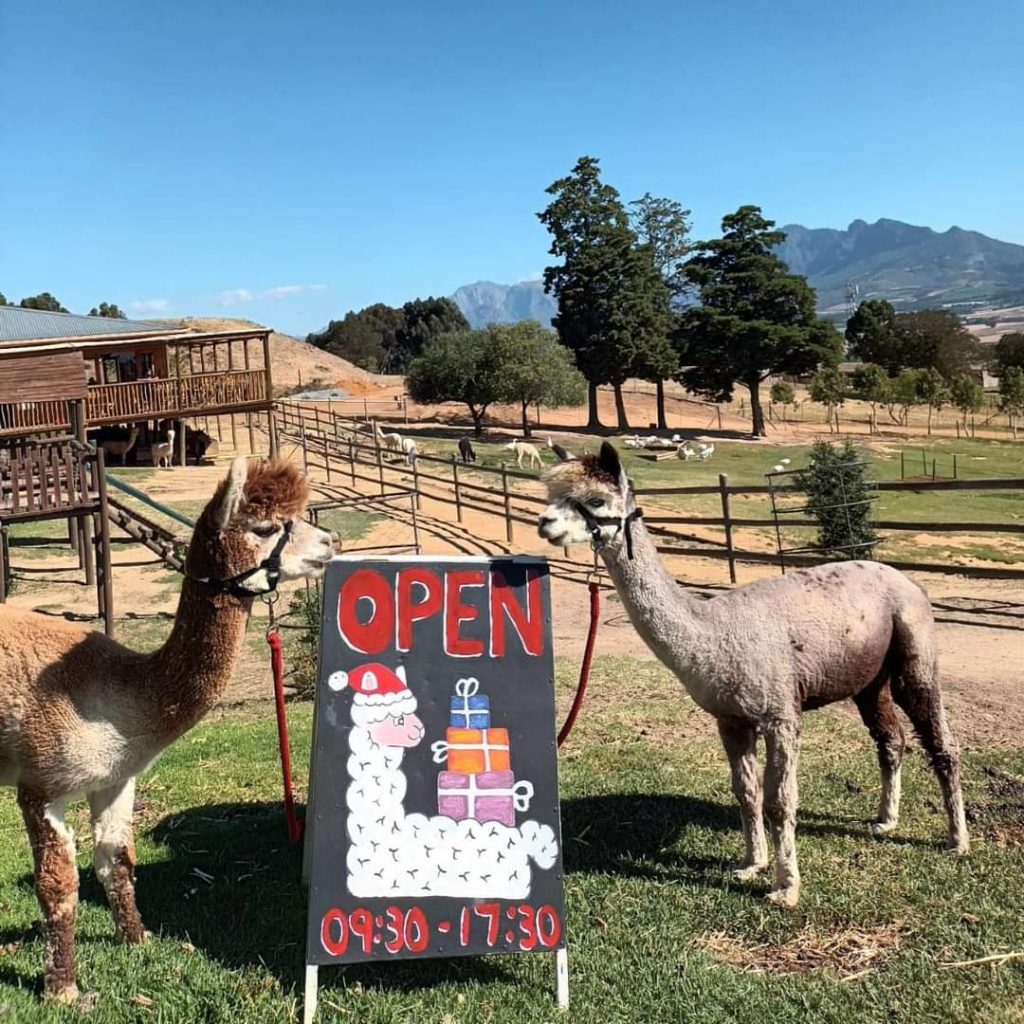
64 373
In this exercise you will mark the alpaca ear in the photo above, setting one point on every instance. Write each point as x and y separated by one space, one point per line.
563 455
608 460
231 500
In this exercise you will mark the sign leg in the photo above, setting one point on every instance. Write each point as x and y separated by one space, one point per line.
561 976
310 994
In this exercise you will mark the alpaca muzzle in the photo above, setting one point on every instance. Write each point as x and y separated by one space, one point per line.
595 524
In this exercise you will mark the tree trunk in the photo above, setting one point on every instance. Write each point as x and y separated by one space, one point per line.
620 409
756 412
478 420
660 392
526 421
593 417
929 421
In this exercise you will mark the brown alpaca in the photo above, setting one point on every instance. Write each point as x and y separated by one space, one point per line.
758 656
80 714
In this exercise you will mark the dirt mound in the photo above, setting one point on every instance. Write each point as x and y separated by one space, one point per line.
296 363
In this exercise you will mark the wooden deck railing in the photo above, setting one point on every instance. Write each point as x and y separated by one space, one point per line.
20 418
47 478
175 396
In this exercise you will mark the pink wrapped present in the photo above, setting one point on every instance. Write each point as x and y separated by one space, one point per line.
482 796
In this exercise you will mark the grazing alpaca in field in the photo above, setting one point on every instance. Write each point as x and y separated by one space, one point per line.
523 449
393 442
162 452
121 446
759 655
80 714
466 452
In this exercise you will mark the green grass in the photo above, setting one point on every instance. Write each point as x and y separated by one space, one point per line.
649 829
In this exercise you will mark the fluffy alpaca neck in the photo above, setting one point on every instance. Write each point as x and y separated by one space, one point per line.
193 668
663 613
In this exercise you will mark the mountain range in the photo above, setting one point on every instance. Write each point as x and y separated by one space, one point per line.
911 266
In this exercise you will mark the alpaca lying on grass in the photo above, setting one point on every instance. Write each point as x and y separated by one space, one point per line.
80 714
758 656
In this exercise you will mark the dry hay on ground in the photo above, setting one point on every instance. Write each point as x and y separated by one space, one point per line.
847 952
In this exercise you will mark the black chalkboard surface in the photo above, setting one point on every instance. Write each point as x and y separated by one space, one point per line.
433 821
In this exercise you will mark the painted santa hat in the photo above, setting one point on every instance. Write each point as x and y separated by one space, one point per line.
379 691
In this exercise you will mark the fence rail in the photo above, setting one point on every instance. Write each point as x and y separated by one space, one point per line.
345 449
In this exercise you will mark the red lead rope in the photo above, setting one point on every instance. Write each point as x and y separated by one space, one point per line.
277 666
588 657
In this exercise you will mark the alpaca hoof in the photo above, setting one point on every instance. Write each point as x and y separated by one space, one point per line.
959 847
788 897
745 872
66 994
882 828
136 936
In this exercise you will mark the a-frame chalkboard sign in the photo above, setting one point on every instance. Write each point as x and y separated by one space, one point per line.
433 822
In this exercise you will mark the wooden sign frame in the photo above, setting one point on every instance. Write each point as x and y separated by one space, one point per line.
433 826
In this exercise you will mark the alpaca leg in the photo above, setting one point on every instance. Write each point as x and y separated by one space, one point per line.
53 850
782 743
112 811
879 715
740 743
917 692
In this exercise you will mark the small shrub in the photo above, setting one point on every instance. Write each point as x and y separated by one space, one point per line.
838 496
305 611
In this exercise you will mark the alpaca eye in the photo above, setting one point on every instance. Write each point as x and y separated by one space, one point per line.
595 502
265 531
400 720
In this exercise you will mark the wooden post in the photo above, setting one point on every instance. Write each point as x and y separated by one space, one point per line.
903 465
352 459
954 466
231 367
924 463
104 536
723 487
455 482
366 413
405 409
508 502
73 534
718 409
416 482
248 415
268 377
216 369
305 454
5 562
87 549
182 454
380 463
934 460
327 458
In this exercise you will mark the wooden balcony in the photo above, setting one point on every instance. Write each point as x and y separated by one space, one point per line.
174 397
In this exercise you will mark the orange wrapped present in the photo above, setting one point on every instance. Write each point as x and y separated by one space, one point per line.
474 750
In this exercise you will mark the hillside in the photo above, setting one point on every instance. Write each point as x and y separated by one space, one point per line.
296 362
910 266
485 303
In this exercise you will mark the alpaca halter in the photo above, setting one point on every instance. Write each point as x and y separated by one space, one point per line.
233 585
594 524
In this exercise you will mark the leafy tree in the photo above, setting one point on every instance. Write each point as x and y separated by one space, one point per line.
538 369
664 227
44 300
838 496
933 391
1011 394
1009 351
873 385
755 319
364 337
108 309
967 396
782 393
423 320
937 338
872 335
828 387
470 367
3 300
906 393
612 301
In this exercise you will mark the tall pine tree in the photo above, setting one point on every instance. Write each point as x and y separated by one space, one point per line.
755 318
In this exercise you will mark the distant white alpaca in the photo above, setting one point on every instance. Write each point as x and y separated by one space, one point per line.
162 452
393 442
408 448
523 449
705 451
633 442
394 854
685 452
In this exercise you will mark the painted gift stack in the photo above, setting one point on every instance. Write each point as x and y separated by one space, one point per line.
478 783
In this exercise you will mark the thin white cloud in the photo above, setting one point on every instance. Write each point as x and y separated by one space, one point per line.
149 306
239 296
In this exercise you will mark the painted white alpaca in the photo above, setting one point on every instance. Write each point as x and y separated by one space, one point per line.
758 656
393 854
162 452
523 449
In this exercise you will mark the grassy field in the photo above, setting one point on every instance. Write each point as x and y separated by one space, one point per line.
658 930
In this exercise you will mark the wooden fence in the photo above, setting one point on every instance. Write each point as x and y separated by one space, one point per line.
347 451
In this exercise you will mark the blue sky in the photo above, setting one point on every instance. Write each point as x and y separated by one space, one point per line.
288 162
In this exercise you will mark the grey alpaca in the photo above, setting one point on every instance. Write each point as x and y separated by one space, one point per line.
758 656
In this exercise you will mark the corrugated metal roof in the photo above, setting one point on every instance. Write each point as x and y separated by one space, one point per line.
17 324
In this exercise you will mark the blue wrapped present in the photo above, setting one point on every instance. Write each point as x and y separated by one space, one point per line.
470 709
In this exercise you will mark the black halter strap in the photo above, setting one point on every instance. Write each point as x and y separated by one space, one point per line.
271 565
594 524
